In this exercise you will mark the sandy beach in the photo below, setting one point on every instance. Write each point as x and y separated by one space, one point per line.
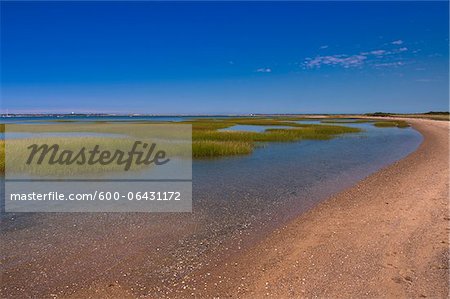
385 237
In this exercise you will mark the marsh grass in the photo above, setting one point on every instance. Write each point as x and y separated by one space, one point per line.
18 153
213 143
211 149
390 124
442 115
169 131
433 116
207 140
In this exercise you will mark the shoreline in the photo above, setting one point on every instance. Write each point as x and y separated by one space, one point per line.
387 236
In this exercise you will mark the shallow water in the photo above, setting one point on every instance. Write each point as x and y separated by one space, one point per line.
21 135
237 201
301 173
308 122
91 118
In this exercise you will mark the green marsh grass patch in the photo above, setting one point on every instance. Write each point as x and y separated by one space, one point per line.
211 148
390 124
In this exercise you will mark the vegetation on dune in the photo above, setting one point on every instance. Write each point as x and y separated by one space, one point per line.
434 115
438 113
382 114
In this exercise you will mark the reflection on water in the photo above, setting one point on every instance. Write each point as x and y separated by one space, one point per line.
308 122
235 201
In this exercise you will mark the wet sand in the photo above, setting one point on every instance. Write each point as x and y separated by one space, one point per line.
385 237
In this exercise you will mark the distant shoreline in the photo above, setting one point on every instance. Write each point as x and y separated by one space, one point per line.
439 115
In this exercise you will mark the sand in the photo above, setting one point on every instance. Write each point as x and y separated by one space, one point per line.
385 237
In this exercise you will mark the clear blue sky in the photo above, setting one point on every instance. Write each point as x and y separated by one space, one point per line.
229 57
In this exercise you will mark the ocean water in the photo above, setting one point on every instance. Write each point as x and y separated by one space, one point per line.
21 135
83 118
236 202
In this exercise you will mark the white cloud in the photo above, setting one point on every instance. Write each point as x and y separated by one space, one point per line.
390 64
375 58
324 47
378 52
375 52
264 70
397 42
339 60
